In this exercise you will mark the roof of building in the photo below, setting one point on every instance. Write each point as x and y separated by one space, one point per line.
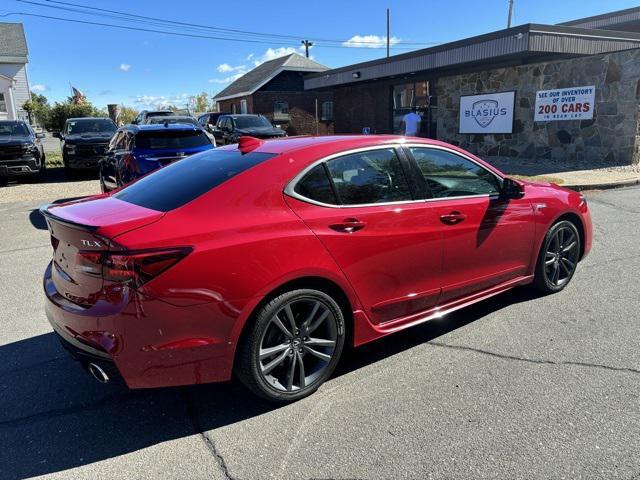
13 44
251 81
627 20
521 44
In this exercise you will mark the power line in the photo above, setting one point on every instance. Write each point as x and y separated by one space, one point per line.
130 17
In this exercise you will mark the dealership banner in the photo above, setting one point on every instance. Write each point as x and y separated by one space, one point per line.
575 103
487 113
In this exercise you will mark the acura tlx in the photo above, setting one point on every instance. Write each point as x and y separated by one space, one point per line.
266 259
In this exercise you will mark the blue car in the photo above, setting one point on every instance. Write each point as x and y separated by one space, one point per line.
135 150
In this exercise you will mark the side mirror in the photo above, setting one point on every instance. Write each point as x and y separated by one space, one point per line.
511 189
40 135
57 135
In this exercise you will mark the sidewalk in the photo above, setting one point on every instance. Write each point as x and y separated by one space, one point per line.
594 179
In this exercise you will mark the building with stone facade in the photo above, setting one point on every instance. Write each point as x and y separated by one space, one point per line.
539 72
275 89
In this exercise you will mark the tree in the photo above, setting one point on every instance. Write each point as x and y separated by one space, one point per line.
38 109
60 112
201 102
127 114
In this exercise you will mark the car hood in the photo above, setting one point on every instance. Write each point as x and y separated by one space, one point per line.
260 131
92 137
12 140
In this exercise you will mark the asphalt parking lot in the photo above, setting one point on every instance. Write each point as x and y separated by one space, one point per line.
516 387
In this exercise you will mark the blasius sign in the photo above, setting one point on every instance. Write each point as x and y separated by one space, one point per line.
574 103
487 113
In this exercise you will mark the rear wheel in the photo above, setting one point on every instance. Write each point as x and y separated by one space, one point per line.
293 346
558 257
103 186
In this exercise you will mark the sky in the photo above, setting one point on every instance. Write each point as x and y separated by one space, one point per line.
146 69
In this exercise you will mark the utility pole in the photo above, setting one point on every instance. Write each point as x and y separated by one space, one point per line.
510 13
388 33
306 44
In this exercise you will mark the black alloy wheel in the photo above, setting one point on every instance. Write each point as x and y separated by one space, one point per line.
558 257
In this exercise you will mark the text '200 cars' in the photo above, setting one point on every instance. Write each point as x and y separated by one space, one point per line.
268 258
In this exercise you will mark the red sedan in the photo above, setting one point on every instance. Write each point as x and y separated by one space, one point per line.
266 259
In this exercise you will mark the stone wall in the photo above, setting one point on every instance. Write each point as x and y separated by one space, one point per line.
611 138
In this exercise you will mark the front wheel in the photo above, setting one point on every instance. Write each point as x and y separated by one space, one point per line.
293 345
558 257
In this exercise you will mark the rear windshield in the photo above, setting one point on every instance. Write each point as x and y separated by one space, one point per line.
180 182
155 120
171 139
160 114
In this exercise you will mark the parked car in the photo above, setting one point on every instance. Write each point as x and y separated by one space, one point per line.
21 151
84 141
171 119
209 120
136 150
231 127
145 114
266 258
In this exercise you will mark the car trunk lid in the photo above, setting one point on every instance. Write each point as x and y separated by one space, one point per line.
81 230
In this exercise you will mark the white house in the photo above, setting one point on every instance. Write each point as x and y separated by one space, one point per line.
14 85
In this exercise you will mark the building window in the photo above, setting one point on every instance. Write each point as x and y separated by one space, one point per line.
280 110
243 106
233 108
3 103
327 111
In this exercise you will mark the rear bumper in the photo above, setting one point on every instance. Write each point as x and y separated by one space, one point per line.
151 342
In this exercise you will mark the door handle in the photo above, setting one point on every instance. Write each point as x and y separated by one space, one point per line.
453 218
348 225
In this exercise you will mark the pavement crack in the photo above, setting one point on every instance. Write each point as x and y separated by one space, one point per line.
208 441
13 250
535 360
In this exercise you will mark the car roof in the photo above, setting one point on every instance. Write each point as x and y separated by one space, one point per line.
161 126
340 142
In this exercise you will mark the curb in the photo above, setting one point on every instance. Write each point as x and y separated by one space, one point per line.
602 186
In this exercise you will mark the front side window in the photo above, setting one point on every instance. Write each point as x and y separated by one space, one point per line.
3 103
450 175
373 176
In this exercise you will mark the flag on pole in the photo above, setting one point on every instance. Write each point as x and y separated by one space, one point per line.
78 96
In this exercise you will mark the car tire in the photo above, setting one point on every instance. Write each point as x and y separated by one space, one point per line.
558 257
281 367
103 186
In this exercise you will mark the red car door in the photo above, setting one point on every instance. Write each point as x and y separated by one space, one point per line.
388 245
486 240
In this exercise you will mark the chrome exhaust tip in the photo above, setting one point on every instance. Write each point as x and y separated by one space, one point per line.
98 373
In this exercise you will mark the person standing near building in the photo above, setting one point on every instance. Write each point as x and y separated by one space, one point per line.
411 123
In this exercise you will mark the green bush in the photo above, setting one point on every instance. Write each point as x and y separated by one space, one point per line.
60 112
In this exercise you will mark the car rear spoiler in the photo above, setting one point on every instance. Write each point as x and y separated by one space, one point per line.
44 211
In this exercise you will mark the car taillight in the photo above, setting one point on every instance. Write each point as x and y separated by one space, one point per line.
136 266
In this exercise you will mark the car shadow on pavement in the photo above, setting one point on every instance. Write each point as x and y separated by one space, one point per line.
54 416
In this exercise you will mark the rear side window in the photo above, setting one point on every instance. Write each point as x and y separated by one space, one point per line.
182 181
373 176
171 139
315 185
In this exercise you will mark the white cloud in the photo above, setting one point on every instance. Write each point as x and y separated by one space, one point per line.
226 68
160 101
38 87
125 67
255 59
369 41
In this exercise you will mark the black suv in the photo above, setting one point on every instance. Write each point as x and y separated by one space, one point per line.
231 127
21 151
209 120
84 141
145 114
